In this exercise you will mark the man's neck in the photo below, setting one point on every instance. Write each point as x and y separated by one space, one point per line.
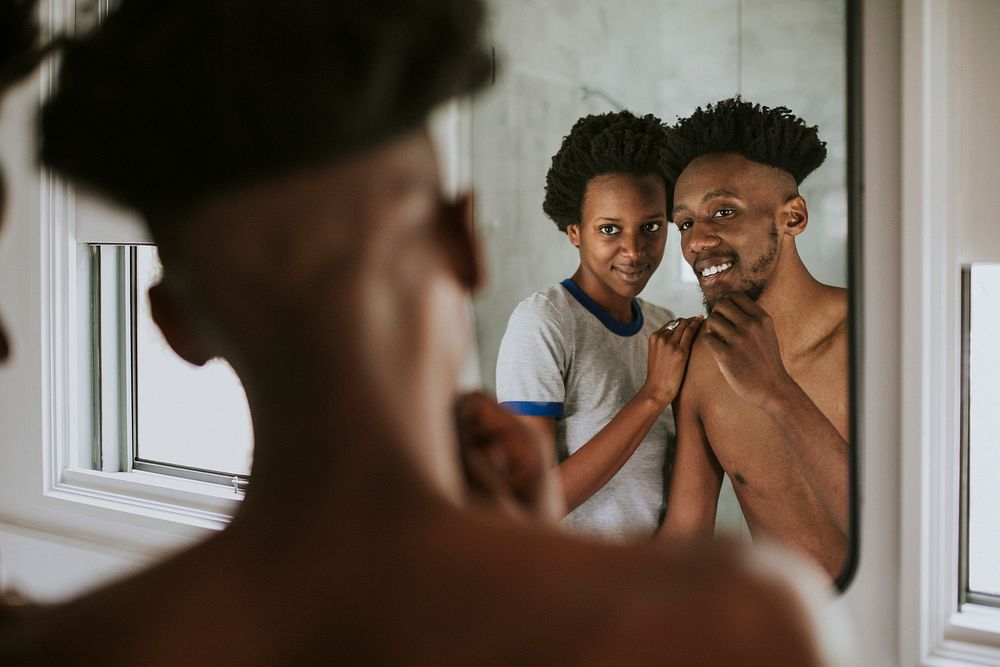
798 306
341 445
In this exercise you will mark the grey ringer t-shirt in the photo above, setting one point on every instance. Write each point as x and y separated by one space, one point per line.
564 356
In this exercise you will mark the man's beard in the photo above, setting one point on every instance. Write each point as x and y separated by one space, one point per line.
748 286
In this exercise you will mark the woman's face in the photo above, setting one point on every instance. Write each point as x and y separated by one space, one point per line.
621 235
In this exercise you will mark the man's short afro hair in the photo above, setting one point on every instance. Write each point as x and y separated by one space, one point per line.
169 102
770 136
20 49
611 143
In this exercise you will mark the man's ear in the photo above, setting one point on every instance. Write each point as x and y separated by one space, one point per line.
573 232
176 327
794 216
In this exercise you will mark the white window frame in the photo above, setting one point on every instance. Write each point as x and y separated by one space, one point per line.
935 629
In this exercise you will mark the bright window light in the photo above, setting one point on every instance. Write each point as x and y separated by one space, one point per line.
983 464
186 415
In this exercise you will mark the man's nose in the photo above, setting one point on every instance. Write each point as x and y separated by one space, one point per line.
700 237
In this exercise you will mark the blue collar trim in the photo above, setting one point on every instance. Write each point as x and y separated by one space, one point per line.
598 311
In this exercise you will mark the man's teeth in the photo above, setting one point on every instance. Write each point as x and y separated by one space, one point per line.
712 270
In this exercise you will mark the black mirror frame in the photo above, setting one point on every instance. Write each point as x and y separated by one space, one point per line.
855 274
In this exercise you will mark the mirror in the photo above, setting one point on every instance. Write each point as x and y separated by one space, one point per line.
559 61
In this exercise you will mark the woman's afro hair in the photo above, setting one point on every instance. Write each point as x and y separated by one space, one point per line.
610 143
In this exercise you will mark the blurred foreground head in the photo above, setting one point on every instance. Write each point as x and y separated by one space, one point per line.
168 102
19 53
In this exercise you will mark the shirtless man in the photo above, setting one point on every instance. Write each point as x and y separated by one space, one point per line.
765 397
312 250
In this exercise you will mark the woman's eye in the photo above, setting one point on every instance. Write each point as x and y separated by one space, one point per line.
723 213
607 229
652 227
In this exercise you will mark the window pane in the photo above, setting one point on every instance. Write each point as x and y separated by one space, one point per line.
186 415
984 428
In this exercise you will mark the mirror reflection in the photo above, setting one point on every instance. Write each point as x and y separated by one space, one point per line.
586 271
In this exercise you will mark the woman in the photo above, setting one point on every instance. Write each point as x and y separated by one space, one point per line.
587 362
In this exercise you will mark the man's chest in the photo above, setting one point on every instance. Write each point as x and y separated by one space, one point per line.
744 438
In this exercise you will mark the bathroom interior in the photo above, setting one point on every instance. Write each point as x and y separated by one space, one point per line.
92 486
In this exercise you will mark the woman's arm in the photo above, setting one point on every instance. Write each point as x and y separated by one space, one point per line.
591 466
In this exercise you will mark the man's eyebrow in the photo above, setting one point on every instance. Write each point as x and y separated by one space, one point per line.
709 195
719 193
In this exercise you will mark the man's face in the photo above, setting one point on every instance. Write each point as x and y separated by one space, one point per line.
339 262
726 208
621 234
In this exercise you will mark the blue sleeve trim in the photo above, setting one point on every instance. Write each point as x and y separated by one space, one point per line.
535 408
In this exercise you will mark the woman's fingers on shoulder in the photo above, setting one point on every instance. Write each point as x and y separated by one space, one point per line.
690 332
678 331
684 325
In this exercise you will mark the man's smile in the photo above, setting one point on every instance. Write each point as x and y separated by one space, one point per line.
717 268
712 270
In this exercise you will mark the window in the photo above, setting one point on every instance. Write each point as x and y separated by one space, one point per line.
99 345
981 435
153 411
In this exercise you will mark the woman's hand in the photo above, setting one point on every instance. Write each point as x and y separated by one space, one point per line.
669 349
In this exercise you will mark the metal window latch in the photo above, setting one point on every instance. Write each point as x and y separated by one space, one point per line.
239 485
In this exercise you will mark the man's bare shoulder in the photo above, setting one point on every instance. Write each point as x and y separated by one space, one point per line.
834 309
576 601
658 604
702 372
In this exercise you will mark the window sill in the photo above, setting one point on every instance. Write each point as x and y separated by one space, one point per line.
158 497
976 622
971 636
